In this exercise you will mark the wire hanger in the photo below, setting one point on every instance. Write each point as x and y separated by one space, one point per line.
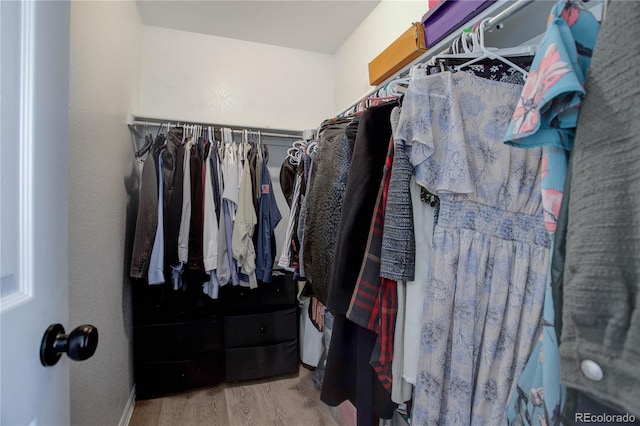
479 51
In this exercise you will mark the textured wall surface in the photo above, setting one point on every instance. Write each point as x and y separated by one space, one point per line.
104 89
189 76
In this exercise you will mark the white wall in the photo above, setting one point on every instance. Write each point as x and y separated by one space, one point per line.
104 88
385 24
199 77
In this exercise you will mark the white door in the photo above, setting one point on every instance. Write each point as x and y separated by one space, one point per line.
34 134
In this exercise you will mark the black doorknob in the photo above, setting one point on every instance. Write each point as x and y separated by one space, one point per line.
79 345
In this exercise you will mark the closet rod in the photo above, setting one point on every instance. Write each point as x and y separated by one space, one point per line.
505 14
501 10
278 133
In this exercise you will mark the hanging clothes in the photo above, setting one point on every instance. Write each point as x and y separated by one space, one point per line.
287 179
196 223
490 69
210 231
227 266
199 212
490 249
156 262
268 218
306 167
406 236
407 339
244 224
147 220
546 115
348 373
172 169
185 222
397 256
374 301
601 293
255 167
325 197
287 258
401 390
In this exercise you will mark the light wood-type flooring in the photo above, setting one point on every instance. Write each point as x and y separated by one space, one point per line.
288 401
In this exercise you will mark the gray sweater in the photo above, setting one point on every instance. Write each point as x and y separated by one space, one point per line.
397 260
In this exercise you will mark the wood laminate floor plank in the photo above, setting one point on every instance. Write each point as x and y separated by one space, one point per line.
146 413
282 401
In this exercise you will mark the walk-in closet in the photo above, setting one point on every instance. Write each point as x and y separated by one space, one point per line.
350 213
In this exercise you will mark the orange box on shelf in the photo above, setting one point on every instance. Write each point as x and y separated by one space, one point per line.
403 50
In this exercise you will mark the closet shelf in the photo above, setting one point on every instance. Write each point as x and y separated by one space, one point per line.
497 12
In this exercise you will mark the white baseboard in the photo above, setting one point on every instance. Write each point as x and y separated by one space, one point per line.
128 409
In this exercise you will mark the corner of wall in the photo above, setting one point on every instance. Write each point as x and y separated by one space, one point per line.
385 23
104 89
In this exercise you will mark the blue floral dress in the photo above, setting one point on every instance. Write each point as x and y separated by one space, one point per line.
547 115
485 293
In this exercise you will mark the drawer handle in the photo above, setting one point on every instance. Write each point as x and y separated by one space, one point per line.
263 329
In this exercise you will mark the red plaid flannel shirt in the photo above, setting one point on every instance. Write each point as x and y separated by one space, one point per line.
374 302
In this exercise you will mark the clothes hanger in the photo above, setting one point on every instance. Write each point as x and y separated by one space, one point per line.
293 158
158 143
480 51
372 100
148 141
395 85
184 134
227 135
294 154
419 70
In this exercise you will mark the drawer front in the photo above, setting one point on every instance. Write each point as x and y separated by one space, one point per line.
159 303
281 291
260 329
160 378
261 361
175 340
238 298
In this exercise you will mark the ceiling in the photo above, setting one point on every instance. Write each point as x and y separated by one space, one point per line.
313 25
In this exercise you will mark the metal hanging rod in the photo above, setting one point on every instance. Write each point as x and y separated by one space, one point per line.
278 133
505 14
501 10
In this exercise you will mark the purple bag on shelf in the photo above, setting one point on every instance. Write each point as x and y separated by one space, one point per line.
448 15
